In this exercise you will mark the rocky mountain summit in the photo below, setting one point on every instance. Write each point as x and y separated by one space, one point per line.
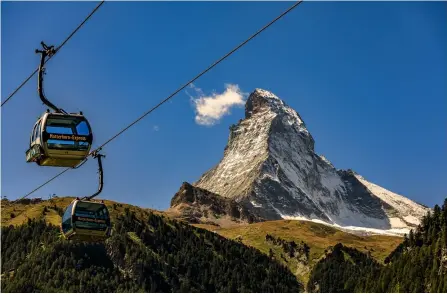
270 171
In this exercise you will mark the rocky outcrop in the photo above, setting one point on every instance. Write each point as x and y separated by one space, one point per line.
198 205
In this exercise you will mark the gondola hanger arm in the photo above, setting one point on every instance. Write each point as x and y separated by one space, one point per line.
47 51
98 156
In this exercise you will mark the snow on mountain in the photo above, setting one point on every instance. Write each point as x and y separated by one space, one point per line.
270 167
410 211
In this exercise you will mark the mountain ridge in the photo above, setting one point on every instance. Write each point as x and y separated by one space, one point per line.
197 205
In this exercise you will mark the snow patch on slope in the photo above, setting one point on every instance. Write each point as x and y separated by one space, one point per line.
266 94
410 211
326 161
318 180
255 204
245 152
353 229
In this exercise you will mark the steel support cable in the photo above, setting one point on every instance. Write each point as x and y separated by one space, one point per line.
202 73
57 50
59 174
178 90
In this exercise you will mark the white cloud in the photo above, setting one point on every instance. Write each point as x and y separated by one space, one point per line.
210 109
156 128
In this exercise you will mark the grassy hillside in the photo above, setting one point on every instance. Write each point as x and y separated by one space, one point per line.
147 252
50 210
317 236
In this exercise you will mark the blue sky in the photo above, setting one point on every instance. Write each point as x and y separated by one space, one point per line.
368 78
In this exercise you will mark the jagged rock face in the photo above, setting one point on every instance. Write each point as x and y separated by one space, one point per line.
270 166
196 204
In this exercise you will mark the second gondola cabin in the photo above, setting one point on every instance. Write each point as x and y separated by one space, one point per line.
60 139
86 221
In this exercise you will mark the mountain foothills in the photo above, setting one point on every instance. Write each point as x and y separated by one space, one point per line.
151 252
271 216
270 171
146 253
418 264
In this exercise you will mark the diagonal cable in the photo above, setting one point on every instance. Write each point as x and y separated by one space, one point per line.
57 50
177 91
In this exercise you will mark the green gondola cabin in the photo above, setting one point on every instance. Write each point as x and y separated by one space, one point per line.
60 139
86 221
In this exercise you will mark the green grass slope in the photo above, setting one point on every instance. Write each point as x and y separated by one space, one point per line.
146 253
17 213
317 237
295 256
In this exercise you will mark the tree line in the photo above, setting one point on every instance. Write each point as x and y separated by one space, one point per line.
418 264
149 255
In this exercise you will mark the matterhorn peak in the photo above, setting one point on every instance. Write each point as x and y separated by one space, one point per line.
262 102
271 168
266 94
